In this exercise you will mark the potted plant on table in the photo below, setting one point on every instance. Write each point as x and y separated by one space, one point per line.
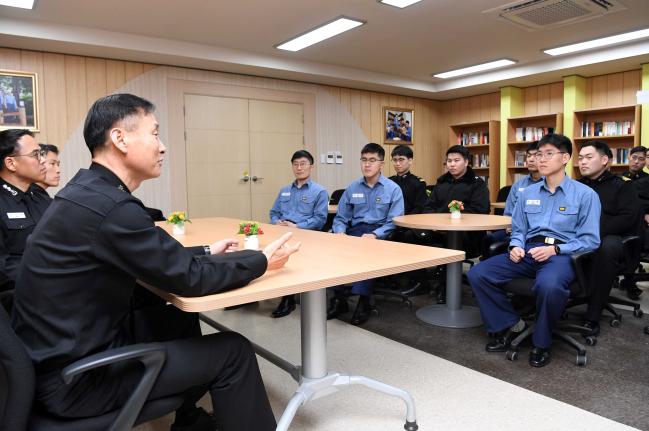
455 207
251 230
178 219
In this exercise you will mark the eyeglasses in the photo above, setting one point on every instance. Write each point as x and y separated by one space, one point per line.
36 154
370 161
638 158
548 155
301 165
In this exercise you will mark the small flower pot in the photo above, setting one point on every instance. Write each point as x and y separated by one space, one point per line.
251 242
456 214
179 229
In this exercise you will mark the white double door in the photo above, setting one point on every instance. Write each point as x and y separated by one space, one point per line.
238 154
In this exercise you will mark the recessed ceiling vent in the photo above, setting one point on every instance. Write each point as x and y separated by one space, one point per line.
545 14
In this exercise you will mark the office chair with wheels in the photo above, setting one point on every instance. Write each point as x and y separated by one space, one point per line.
578 289
18 380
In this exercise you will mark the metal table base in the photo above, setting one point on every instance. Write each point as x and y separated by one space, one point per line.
315 380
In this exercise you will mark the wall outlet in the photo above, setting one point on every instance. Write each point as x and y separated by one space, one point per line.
339 157
330 157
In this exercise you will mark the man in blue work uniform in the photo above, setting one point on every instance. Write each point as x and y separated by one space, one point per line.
366 209
302 204
552 219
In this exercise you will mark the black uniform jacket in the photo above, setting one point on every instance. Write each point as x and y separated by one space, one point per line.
621 213
77 276
469 189
414 192
19 213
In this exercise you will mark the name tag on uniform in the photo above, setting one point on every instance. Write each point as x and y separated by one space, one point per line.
303 198
378 200
520 189
358 195
286 194
533 202
16 215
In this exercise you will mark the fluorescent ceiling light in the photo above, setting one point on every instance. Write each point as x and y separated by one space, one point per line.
399 3
477 68
25 4
318 34
625 37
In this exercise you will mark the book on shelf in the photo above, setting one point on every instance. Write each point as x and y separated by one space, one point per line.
621 156
606 128
532 133
519 158
473 138
480 160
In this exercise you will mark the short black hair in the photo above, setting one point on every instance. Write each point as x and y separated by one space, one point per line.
560 142
9 143
638 150
600 146
374 148
402 150
458 149
302 154
532 146
106 112
49 148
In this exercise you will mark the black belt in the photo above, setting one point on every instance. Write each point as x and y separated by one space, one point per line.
546 240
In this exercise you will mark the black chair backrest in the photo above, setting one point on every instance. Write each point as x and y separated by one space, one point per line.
17 379
335 196
503 193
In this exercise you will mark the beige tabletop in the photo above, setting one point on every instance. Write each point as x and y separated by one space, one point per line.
444 222
324 260
498 204
332 209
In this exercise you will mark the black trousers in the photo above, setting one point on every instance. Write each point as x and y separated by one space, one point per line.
606 264
223 364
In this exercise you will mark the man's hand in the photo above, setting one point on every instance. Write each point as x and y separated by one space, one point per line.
278 251
286 223
508 230
368 235
516 254
646 218
541 254
224 246
340 233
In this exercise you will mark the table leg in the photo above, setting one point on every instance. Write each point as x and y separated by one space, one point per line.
453 314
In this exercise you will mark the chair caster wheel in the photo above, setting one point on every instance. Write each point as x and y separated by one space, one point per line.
615 322
408 304
591 340
581 360
511 355
411 426
638 313
646 330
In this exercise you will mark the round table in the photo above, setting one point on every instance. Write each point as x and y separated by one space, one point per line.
453 314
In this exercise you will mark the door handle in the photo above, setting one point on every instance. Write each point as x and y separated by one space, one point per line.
245 178
255 178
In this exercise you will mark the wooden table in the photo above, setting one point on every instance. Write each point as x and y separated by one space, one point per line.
324 260
332 209
452 315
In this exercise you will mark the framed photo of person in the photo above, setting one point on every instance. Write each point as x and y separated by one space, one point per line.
18 100
398 125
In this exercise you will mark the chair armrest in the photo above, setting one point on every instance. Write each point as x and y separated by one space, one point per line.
498 248
151 355
579 261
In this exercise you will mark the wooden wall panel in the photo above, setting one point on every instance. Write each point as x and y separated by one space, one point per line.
543 99
613 89
96 86
54 117
76 93
115 75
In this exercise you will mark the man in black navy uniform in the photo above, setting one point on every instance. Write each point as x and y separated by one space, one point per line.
621 216
74 289
52 171
412 187
20 209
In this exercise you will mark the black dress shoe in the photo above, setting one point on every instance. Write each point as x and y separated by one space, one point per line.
362 312
633 292
337 306
441 295
539 357
503 341
285 307
593 327
196 420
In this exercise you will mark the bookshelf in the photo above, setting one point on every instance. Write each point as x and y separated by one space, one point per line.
520 132
618 126
482 139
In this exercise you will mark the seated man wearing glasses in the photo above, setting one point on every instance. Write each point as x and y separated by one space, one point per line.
20 209
365 209
637 159
52 171
302 204
552 219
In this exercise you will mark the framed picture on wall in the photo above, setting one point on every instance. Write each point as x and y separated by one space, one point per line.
398 125
18 100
